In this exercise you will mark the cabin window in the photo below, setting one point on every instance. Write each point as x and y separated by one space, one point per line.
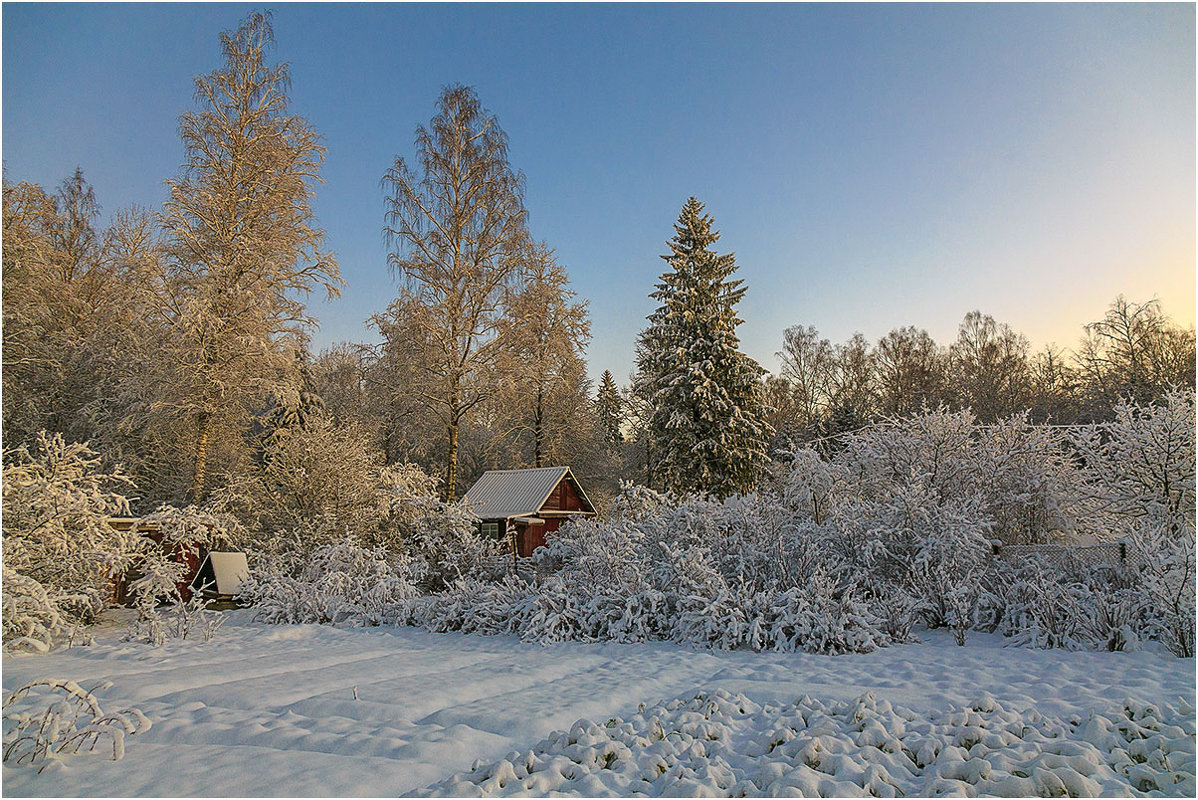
490 530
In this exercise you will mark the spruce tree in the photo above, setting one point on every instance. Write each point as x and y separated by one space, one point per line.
609 407
707 423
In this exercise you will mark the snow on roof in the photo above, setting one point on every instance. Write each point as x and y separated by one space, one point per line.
222 573
507 493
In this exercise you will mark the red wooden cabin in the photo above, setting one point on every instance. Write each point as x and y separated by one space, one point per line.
188 555
524 506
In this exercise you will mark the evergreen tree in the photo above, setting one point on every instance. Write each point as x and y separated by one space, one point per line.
609 407
708 420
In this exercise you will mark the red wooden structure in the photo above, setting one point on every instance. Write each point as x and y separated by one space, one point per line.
189 555
525 506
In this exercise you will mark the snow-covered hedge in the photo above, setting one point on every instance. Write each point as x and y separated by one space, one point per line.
342 582
850 553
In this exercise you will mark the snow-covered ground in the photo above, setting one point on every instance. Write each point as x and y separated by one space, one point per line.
271 710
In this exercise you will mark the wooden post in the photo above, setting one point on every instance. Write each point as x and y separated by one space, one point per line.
515 547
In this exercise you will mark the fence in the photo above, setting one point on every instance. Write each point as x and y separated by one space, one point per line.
1111 554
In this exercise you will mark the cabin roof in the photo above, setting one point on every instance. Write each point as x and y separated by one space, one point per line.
508 493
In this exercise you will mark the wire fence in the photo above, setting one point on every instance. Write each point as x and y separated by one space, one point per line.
1110 554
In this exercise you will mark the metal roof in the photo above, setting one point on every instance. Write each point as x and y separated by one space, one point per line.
507 493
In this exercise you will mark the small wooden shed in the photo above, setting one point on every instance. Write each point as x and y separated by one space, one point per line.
524 506
189 556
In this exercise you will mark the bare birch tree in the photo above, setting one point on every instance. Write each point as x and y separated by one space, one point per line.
456 221
1135 352
243 245
546 334
988 367
911 371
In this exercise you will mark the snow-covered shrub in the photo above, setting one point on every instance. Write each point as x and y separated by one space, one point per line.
921 548
1018 473
935 445
46 720
1167 572
897 610
158 585
636 502
191 529
1027 484
318 482
444 541
644 616
808 486
949 562
471 605
1045 608
597 556
706 611
158 582
342 582
492 608
32 615
56 506
1140 466
553 614
1114 612
828 616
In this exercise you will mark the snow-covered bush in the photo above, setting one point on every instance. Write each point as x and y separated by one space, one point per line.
1140 466
318 482
158 582
471 605
920 549
808 485
1018 474
46 720
897 610
1167 576
443 540
161 571
193 529
598 556
636 502
900 525
341 582
1026 482
158 585
705 610
56 506
32 613
1114 611
828 616
1045 609
554 614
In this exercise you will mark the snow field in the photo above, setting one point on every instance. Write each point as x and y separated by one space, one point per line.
269 710
719 744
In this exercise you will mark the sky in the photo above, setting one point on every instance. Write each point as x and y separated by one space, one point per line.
871 166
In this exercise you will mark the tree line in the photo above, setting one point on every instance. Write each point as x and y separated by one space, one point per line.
177 340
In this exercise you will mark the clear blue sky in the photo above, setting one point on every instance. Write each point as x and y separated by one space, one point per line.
870 165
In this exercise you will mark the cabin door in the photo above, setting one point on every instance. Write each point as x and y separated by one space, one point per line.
534 537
